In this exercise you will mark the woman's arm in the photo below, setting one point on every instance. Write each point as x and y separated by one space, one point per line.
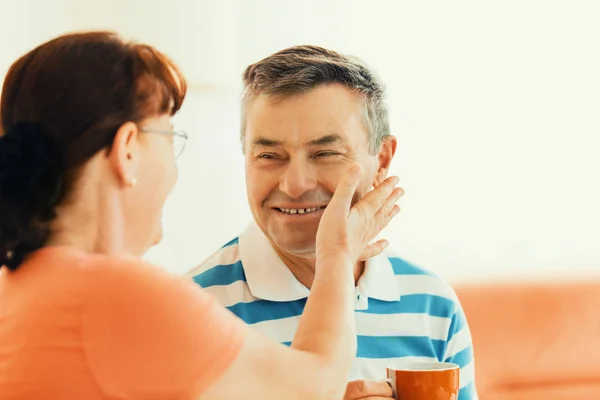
146 334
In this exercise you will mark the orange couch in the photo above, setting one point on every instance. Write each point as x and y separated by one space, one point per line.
535 341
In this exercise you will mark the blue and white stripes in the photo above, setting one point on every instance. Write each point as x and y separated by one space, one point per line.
425 323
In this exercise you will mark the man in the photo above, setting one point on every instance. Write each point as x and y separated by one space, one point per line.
306 112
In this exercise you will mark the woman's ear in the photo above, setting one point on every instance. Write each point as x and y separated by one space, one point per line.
124 154
385 156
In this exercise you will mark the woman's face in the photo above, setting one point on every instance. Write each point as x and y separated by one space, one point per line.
155 177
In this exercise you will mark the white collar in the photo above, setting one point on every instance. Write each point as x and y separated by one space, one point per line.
269 278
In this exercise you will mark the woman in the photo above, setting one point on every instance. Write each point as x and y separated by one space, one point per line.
86 163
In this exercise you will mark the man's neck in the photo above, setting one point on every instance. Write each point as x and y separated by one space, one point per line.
303 268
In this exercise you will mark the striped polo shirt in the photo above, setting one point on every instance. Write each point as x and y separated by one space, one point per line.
403 312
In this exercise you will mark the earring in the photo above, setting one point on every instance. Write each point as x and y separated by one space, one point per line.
132 182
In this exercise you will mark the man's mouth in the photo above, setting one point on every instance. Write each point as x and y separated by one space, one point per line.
292 211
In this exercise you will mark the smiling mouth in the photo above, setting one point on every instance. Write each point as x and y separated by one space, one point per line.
293 211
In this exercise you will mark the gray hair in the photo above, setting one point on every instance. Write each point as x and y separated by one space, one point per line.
300 69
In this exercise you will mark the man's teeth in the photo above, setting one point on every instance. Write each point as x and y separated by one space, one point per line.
300 210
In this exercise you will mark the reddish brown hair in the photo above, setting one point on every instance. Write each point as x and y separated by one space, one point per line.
81 87
70 94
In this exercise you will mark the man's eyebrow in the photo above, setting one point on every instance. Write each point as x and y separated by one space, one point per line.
264 142
322 141
328 139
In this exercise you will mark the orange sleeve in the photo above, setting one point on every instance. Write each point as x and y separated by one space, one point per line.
150 335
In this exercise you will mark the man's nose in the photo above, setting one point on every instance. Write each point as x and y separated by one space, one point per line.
298 178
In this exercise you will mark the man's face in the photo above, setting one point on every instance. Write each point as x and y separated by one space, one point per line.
297 149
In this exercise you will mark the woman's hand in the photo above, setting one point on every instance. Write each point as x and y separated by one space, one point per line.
346 230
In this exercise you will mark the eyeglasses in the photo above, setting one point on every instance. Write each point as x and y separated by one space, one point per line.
179 138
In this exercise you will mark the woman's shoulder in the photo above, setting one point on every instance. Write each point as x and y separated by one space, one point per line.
139 317
141 328
76 261
103 277
124 268
112 278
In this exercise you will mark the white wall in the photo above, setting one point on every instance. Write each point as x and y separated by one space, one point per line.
495 105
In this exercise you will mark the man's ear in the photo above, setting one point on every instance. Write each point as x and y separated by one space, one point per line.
124 153
385 156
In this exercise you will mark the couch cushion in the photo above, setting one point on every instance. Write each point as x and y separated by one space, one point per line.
551 392
534 333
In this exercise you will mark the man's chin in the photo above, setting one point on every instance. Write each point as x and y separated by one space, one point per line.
157 238
297 249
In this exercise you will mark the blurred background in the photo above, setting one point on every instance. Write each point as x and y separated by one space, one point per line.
495 105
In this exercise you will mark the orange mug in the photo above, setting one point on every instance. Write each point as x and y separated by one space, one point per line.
424 380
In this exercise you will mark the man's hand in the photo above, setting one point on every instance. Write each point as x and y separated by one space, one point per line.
368 390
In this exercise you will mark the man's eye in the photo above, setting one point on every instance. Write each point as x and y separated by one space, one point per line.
326 154
267 156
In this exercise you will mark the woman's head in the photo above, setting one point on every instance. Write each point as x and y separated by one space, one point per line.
86 138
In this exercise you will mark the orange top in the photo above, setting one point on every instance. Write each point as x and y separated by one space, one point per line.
78 326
